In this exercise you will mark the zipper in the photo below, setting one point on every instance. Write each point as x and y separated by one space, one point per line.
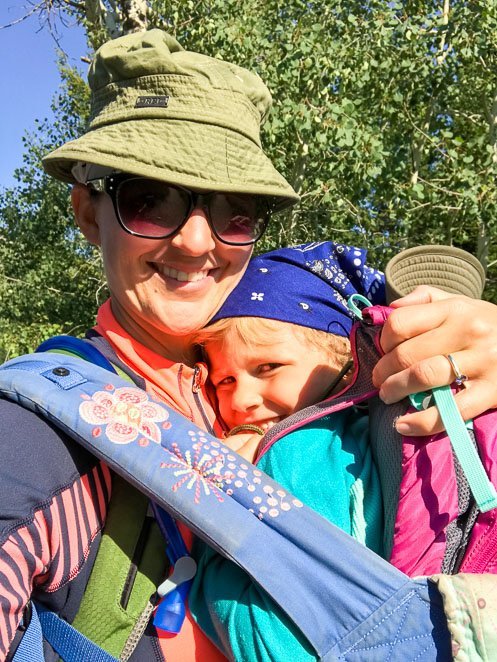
196 390
180 388
486 552
135 560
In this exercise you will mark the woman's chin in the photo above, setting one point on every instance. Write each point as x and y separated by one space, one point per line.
184 319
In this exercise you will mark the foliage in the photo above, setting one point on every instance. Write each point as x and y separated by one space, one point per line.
48 274
385 113
385 118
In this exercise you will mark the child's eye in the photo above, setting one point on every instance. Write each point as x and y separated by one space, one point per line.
268 367
225 382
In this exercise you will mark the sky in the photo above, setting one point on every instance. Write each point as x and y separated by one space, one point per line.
29 77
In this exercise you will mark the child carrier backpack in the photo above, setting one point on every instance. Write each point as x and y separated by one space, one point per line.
445 481
345 610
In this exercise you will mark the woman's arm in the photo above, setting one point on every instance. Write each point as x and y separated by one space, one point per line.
427 325
54 499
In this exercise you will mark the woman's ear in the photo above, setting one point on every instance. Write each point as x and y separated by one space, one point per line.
84 206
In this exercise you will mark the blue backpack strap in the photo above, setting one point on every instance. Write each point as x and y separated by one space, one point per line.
71 645
76 347
342 608
30 648
170 613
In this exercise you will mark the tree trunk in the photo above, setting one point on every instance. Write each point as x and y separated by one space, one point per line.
116 18
134 16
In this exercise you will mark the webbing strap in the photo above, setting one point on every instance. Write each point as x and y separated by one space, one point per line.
471 464
71 645
30 648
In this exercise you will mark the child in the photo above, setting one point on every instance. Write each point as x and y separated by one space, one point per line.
279 344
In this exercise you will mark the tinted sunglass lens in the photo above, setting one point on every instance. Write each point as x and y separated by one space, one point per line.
151 208
154 209
237 219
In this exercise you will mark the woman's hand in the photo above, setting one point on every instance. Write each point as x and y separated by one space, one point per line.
425 326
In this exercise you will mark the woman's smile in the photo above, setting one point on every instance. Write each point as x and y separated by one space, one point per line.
183 276
188 279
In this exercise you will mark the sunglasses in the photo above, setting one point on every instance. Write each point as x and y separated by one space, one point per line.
152 209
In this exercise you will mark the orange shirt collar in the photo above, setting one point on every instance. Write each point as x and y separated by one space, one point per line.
178 385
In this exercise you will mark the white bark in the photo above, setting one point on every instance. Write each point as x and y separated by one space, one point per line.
134 15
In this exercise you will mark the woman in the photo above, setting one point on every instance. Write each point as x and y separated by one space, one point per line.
171 182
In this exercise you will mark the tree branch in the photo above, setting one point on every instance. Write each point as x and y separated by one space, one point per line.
445 21
492 133
441 188
23 18
45 287
79 6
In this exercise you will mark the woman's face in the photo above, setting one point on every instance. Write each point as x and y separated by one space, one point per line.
166 287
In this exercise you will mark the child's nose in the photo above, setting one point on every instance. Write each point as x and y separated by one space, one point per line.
246 396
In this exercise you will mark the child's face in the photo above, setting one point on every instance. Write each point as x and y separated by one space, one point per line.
266 383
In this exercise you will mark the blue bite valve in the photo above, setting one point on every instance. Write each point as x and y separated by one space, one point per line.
170 613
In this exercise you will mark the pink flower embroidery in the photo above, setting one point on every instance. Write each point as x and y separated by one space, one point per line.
127 414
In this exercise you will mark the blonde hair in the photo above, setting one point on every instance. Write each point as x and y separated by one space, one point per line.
256 331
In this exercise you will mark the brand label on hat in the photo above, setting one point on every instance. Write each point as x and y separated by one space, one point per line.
158 101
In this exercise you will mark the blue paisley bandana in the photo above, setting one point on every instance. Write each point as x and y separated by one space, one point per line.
306 285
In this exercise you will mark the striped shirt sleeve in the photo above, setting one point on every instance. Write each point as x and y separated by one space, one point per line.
48 549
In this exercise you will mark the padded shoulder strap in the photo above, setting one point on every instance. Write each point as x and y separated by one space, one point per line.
76 347
235 508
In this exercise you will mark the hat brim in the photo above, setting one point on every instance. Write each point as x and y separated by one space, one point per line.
446 267
200 156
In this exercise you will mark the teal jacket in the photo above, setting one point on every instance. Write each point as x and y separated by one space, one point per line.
327 465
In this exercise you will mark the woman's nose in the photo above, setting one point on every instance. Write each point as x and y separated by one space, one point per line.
196 236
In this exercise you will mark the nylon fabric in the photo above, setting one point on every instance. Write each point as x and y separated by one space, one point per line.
70 644
102 617
327 596
30 647
482 489
189 638
352 599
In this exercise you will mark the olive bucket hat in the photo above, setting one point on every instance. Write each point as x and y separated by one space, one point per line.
162 112
446 267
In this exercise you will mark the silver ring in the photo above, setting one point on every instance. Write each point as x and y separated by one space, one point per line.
460 378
